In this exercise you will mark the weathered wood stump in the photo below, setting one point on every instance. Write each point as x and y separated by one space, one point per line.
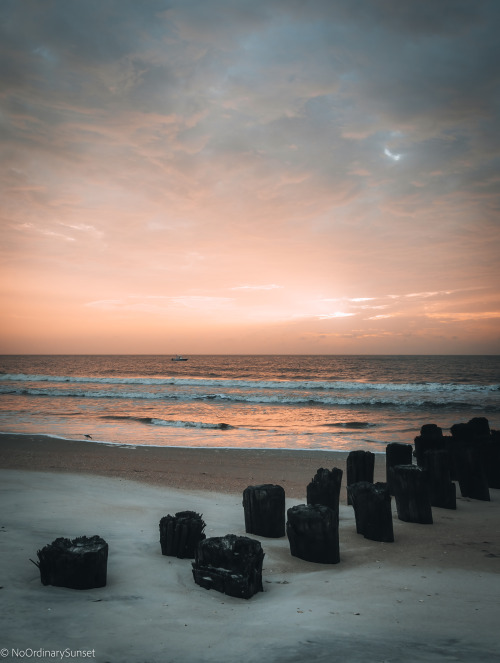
430 438
442 489
396 454
490 446
313 533
412 493
324 488
469 452
492 459
81 563
372 510
360 466
180 534
264 508
229 564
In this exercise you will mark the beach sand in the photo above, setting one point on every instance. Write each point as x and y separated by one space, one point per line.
432 595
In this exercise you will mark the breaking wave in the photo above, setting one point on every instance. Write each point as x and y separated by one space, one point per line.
220 383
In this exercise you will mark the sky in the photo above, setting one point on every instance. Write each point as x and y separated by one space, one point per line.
250 176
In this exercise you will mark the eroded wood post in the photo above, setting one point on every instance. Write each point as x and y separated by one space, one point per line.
442 489
79 563
470 461
264 507
180 534
412 493
396 453
324 488
360 466
372 510
313 533
229 564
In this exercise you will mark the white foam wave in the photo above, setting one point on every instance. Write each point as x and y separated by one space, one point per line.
190 424
386 399
224 383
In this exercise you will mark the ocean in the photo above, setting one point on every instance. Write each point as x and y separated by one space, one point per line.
254 401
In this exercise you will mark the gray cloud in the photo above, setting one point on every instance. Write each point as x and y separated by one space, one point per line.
285 108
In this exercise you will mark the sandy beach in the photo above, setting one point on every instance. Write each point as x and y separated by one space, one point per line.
432 595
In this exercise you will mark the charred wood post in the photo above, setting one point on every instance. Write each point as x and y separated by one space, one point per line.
81 563
469 451
430 438
396 454
492 458
412 493
442 489
264 508
360 466
490 445
229 564
180 534
325 488
313 533
372 510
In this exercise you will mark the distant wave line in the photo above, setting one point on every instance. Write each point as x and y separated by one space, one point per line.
226 383
277 399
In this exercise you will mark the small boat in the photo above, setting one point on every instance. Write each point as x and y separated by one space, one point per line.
179 358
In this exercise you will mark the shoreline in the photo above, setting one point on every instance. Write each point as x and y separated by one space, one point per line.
219 469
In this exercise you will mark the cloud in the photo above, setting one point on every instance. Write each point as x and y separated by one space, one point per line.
336 148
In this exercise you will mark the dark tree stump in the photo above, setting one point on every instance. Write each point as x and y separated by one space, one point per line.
313 533
360 466
264 507
372 510
469 452
412 493
396 454
180 534
325 488
229 564
430 438
492 459
442 489
80 563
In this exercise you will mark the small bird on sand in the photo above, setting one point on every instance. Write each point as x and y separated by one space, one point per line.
89 437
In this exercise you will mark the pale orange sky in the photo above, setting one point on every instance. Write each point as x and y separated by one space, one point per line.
251 177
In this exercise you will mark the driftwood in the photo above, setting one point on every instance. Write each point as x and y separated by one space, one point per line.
442 489
412 493
264 508
180 534
372 510
360 466
396 454
80 563
469 448
325 488
229 564
313 533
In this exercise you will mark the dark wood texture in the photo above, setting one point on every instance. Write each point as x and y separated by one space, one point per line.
180 534
313 533
264 508
325 488
412 493
372 510
229 564
80 563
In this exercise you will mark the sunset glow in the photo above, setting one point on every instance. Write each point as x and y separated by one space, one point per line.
249 177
